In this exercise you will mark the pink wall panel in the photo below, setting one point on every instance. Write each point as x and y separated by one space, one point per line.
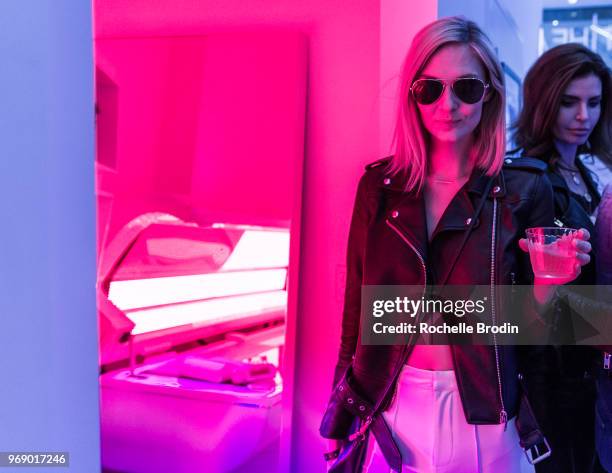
210 128
251 128
347 125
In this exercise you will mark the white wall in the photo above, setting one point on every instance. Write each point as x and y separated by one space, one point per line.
48 339
512 26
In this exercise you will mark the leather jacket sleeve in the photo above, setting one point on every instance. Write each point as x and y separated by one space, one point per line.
603 240
536 362
603 245
354 274
542 215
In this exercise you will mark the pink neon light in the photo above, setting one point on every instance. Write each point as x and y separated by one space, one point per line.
260 249
139 293
207 312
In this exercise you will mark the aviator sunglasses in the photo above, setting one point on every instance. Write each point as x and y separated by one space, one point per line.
469 90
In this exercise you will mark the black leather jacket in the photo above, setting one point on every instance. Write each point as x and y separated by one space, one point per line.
388 245
571 388
570 213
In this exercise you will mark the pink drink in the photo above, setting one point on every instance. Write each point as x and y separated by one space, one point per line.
552 253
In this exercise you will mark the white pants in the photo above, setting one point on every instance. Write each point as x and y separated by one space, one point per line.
430 429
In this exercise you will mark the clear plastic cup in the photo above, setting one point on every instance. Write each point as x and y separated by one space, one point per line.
552 253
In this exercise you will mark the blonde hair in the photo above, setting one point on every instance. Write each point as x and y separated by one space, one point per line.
410 139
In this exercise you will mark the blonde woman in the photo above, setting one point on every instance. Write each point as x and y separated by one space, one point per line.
440 211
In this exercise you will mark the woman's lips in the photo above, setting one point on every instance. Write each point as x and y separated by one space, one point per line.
447 123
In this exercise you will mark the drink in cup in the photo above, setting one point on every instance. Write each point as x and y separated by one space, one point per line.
552 253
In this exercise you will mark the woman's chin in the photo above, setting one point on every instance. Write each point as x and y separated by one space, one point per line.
576 140
449 136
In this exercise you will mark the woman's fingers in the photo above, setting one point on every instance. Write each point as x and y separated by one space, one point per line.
584 234
583 258
582 245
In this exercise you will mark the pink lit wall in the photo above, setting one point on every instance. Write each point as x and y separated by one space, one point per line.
184 121
354 53
396 34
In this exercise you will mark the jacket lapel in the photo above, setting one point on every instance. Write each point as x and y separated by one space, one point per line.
456 215
409 217
457 218
462 207
590 182
406 212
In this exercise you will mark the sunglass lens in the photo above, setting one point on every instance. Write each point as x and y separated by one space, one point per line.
469 90
427 91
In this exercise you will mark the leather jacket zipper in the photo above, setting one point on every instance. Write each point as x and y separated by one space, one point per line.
419 256
422 261
503 415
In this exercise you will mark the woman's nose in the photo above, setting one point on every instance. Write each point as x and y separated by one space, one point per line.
448 101
583 112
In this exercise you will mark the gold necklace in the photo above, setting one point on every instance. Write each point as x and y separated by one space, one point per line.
446 179
562 165
576 178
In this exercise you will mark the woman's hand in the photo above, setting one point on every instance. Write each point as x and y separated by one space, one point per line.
581 258
333 445
543 289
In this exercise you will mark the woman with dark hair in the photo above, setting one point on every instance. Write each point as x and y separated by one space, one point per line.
566 122
440 211
566 119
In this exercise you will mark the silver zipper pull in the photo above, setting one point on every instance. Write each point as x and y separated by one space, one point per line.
360 434
503 418
558 223
607 357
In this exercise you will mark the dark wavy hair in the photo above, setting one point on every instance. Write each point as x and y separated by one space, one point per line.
544 85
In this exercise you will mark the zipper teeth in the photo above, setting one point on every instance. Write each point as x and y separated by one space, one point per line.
422 261
503 416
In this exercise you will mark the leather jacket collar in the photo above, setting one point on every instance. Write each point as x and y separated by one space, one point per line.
407 211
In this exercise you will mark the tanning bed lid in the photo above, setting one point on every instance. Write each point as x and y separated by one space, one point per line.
163 282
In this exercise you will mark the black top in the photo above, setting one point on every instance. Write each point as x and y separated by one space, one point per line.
573 210
587 176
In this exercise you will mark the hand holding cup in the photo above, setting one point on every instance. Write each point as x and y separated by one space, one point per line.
557 254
